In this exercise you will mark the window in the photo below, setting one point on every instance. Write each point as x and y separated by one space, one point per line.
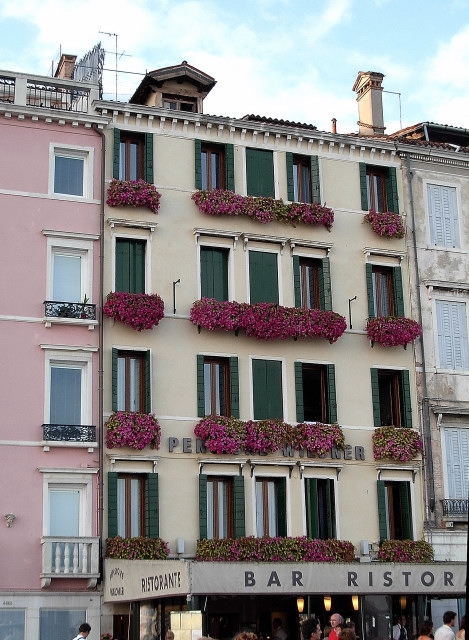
320 508
221 507
133 156
394 510
303 178
271 511
391 398
456 441
214 166
55 624
131 385
315 393
214 272
443 215
68 176
451 319
260 172
71 171
267 389
378 188
12 624
179 104
68 504
130 265
263 277
133 509
384 287
218 386
312 282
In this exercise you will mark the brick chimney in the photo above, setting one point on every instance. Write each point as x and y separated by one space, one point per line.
65 66
370 102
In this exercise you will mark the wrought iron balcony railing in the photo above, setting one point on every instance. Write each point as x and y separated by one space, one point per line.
68 433
55 309
7 89
455 508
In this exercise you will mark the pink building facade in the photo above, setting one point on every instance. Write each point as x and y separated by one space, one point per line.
51 218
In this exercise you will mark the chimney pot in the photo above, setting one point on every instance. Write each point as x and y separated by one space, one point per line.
370 102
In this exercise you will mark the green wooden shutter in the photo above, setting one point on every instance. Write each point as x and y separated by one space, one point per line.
229 167
152 520
267 389
363 187
331 393
300 410
114 377
391 190
382 511
116 157
375 397
282 507
214 273
330 519
325 290
263 277
398 292
260 172
130 265
406 403
200 387
202 506
290 184
234 387
239 524
406 511
315 179
312 516
297 280
147 374
111 504
370 290
198 163
148 158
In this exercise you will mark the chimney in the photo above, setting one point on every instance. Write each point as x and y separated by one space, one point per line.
370 102
65 66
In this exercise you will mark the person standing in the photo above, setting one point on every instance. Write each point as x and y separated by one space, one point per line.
399 631
336 621
83 631
279 631
311 629
461 634
446 631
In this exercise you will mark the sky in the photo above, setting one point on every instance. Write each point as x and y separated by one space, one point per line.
294 60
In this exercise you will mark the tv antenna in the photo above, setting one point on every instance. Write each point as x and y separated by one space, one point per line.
113 35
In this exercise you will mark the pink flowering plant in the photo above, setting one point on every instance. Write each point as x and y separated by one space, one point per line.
396 443
133 193
317 437
386 223
265 549
137 310
267 321
139 548
132 429
217 202
221 434
392 331
405 551
266 436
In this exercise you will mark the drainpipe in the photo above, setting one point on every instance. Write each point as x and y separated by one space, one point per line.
428 453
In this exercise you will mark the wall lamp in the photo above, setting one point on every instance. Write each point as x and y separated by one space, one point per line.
355 603
327 603
300 603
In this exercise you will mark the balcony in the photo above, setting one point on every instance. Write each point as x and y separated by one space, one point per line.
65 557
70 312
69 435
455 509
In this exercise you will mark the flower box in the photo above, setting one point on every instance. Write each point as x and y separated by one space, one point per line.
267 321
405 551
396 443
217 202
132 429
386 223
221 434
392 331
139 548
318 438
265 549
137 310
133 193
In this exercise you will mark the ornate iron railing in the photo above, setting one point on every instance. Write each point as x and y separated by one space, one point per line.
455 507
56 97
68 433
54 309
7 89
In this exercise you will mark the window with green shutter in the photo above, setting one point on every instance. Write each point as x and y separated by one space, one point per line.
390 391
394 510
312 283
133 156
217 386
260 172
214 165
271 507
214 272
221 507
384 289
267 389
303 178
131 381
378 187
263 277
315 393
320 508
130 265
133 505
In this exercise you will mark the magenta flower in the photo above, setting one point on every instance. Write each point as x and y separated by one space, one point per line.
138 548
405 551
385 223
221 434
132 429
317 437
391 331
137 310
133 193
396 443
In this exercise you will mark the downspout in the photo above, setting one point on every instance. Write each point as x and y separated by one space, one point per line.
428 452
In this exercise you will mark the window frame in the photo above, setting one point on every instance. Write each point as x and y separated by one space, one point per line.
146 261
260 173
233 383
282 524
147 170
328 391
127 139
77 480
150 504
322 284
449 336
237 509
144 355
389 188
86 154
178 101
452 461
222 249
263 274
401 491
395 296
401 396
269 383
447 238
313 523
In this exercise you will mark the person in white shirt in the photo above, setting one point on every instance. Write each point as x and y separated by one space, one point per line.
279 631
399 631
83 631
446 631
